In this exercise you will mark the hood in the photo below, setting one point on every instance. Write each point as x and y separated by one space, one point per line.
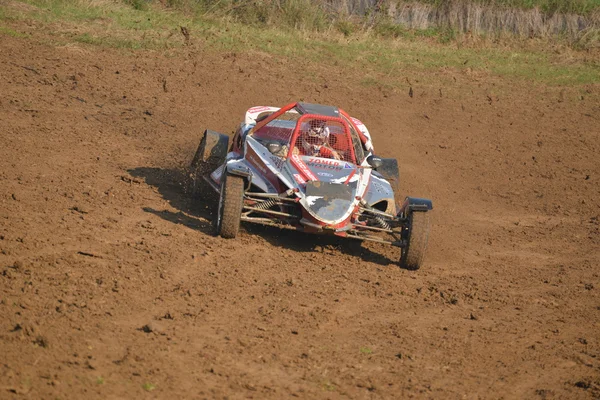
330 188
328 201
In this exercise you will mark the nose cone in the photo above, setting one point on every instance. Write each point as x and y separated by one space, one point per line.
329 202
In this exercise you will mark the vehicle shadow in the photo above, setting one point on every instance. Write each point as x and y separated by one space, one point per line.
197 213
194 212
305 242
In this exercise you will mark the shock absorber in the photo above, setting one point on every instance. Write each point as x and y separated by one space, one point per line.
265 205
382 222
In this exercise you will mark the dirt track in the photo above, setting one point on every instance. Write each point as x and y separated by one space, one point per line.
112 285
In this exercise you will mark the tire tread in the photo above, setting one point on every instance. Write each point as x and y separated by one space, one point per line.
414 253
233 201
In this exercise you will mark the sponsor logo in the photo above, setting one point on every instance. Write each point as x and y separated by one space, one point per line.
348 166
327 174
299 179
322 161
258 109
299 164
324 164
358 123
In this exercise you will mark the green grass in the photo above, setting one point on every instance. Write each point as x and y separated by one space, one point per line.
385 60
582 7
111 42
106 14
7 31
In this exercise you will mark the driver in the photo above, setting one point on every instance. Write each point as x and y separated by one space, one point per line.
315 141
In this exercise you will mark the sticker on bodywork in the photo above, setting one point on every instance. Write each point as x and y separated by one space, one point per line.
324 164
299 179
299 164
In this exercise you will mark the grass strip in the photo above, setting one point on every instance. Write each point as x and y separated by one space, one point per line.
118 25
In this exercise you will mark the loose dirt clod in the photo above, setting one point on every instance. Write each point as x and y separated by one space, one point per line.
153 327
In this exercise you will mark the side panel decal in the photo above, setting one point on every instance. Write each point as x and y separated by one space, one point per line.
300 166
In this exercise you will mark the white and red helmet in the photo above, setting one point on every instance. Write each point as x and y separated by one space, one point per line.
315 136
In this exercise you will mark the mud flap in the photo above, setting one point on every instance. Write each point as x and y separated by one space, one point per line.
212 149
415 204
211 153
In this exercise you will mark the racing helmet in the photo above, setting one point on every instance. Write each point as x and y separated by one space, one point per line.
317 134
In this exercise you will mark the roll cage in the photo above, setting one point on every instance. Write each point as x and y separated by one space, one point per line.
290 125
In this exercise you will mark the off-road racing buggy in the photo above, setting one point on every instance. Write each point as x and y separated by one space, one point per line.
311 168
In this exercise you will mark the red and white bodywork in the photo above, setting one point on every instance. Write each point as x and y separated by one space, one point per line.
309 167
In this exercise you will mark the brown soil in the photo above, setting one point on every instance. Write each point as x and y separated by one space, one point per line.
113 286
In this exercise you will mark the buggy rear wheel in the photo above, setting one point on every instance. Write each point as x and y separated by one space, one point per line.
231 201
416 234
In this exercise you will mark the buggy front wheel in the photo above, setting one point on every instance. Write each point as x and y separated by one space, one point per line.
416 235
231 201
